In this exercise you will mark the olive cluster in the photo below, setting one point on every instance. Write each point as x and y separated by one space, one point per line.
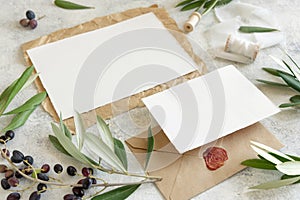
30 20
23 166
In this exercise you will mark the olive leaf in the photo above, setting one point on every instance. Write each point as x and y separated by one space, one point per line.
30 104
150 146
290 57
64 128
30 80
271 150
291 81
211 5
276 184
196 4
60 148
219 3
184 3
120 152
69 146
265 155
118 193
57 145
80 130
16 87
291 70
256 29
7 91
275 72
287 177
284 65
295 99
289 168
96 145
18 120
70 5
272 83
286 105
223 2
105 133
294 157
259 163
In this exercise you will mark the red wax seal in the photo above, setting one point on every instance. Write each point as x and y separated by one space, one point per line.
215 157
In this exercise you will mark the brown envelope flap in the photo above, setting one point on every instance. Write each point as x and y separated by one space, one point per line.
161 141
188 175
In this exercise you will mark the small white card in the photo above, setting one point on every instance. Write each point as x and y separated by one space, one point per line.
92 69
208 107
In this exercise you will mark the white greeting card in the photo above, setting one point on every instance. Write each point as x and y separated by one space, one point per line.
208 107
92 69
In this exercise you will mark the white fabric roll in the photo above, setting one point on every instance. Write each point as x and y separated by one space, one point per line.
236 14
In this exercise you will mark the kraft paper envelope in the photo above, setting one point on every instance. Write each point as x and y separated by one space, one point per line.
186 175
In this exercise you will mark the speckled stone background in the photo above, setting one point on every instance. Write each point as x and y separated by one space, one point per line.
32 138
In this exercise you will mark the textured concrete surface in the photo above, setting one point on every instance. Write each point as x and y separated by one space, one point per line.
32 138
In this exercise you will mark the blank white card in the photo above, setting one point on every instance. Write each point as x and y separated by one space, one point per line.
208 107
102 66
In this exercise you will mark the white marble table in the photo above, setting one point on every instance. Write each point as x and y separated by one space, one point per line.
32 137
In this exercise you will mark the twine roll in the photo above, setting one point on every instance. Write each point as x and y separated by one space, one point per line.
241 47
192 22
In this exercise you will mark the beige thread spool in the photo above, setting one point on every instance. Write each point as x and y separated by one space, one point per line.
192 22
241 47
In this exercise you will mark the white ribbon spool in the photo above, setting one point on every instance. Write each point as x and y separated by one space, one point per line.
192 22
241 47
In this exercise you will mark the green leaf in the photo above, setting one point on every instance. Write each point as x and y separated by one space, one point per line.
96 145
286 105
291 81
120 193
222 2
282 159
295 99
276 184
120 152
271 151
105 133
60 148
70 5
196 4
183 3
290 69
275 72
30 104
272 83
7 91
30 80
18 120
69 146
260 164
80 130
150 146
294 157
287 177
15 89
57 145
210 6
289 168
290 57
256 29
265 155
64 128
